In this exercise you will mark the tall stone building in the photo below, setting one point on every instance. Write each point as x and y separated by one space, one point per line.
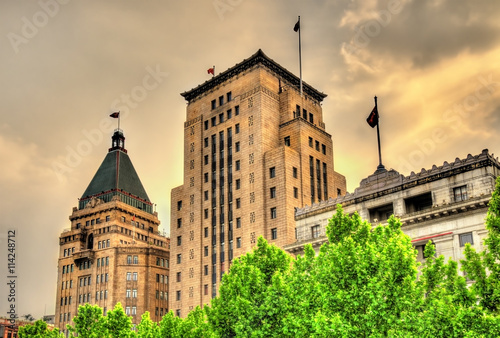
445 204
254 151
113 251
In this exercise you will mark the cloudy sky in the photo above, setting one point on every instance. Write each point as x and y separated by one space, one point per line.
66 65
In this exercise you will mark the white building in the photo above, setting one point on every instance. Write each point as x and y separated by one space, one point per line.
445 204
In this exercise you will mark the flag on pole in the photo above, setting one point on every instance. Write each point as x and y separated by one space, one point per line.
115 115
211 70
373 118
297 26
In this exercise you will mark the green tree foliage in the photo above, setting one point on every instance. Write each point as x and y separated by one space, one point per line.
38 329
147 328
484 267
89 322
117 323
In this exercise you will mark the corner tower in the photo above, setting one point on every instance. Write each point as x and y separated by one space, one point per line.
254 151
113 251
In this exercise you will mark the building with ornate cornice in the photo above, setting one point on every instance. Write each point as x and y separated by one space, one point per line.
113 251
255 149
445 204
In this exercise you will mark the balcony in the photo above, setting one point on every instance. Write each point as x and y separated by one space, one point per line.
84 255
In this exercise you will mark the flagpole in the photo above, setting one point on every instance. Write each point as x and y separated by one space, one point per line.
380 165
300 61
213 75
118 120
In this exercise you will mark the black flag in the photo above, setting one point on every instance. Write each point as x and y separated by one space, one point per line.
373 117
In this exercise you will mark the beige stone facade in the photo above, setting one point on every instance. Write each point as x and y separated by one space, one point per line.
113 252
445 204
254 151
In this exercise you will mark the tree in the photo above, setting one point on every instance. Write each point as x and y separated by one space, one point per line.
248 304
89 322
484 267
118 324
147 328
38 329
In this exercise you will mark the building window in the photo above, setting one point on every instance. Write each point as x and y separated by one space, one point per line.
213 104
323 149
205 250
206 124
339 192
214 121
287 141
127 310
229 114
179 240
460 193
179 258
466 238
238 222
272 192
272 172
221 117
315 231
311 118
205 159
205 195
238 203
237 146
136 260
205 270
317 145
237 110
128 293
228 96
206 213
237 128
237 165
274 233
238 242
129 259
310 142
179 205
205 289
179 222
205 142
129 275
295 192
134 276
273 213
221 100
178 296
178 277
238 184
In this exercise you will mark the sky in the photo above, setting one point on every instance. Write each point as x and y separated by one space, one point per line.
65 65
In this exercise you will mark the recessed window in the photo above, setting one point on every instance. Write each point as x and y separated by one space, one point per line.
178 276
205 270
205 177
273 213
228 97
213 104
295 192
323 149
136 260
272 172
205 159
206 213
310 142
381 213
237 110
205 195
221 100
311 118
214 121
237 146
466 238
229 114
179 205
179 240
272 192
238 222
205 232
205 289
178 297
179 222
238 184
274 233
205 142
317 145
221 117
238 203
237 128
295 172
238 242
179 258
206 124
237 165
460 193
315 231
205 251
287 141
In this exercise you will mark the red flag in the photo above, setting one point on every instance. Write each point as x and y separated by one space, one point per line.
373 117
210 71
115 115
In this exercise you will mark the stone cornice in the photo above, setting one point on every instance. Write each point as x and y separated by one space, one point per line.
255 59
